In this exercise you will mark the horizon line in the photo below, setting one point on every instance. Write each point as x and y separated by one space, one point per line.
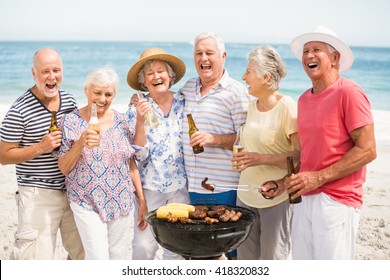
166 42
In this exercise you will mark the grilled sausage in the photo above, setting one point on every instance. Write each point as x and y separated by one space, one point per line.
210 221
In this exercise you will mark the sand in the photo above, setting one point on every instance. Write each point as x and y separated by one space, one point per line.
373 241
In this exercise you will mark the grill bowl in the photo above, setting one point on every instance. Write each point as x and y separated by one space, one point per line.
201 240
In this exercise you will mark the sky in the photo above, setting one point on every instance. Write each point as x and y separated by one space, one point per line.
358 22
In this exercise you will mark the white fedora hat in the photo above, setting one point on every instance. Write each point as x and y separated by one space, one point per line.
326 35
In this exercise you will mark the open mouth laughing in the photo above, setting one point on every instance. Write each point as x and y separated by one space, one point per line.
51 86
205 66
158 84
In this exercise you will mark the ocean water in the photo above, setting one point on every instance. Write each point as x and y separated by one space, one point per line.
371 69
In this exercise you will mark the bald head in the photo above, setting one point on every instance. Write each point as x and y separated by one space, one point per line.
47 72
43 54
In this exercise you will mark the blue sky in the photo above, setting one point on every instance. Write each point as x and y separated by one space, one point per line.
358 22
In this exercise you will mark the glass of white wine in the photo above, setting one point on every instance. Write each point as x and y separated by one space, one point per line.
237 147
151 118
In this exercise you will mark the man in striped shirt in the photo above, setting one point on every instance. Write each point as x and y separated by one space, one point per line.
218 105
24 141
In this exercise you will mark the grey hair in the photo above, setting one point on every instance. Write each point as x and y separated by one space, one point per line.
268 61
215 37
148 65
331 49
105 76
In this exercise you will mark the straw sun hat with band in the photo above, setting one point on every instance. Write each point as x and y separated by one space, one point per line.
326 35
176 63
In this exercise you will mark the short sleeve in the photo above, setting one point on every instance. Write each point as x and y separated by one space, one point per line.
12 128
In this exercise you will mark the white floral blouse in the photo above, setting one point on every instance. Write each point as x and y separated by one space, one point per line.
163 170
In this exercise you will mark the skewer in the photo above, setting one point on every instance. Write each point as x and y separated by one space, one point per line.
212 187
244 188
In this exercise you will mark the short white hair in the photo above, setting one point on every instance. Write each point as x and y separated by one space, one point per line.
105 76
215 37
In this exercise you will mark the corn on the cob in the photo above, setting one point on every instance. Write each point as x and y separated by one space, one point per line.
189 207
163 211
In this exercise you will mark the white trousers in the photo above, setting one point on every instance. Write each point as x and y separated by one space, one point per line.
324 229
144 245
102 240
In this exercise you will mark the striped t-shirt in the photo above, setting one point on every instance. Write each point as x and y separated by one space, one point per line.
26 122
221 111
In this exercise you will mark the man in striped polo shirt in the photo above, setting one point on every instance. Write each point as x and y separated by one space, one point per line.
24 141
218 105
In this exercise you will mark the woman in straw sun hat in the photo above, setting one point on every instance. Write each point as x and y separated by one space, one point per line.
149 55
336 132
162 172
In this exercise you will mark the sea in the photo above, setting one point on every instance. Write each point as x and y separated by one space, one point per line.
371 68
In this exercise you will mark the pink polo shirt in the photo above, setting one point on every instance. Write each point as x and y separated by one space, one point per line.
325 120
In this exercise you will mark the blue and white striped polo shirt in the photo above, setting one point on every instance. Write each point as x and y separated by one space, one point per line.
26 122
220 111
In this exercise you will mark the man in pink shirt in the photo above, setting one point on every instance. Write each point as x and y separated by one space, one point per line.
336 131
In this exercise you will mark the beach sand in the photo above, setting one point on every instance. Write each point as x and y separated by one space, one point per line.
373 241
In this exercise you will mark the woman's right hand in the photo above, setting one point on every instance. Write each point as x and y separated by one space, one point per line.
272 188
243 160
134 100
89 138
142 108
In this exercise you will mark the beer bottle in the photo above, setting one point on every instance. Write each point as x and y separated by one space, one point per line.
192 129
94 121
290 172
53 125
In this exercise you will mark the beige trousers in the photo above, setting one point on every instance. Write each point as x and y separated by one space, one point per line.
41 213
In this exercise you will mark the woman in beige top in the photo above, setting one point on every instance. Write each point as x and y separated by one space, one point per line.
269 136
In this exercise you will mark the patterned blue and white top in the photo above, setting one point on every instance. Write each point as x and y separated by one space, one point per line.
163 170
101 179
